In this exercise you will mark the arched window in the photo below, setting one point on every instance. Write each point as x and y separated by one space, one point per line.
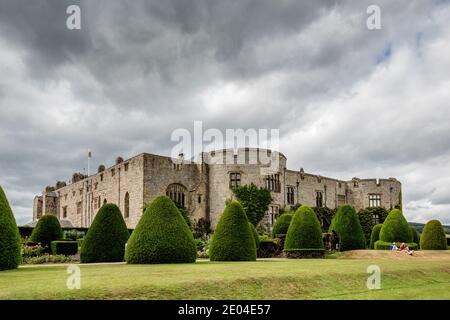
177 193
105 201
127 205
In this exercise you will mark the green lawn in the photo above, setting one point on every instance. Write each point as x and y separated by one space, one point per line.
403 277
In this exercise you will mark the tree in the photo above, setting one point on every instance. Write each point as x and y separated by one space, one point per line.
106 238
255 234
47 230
395 228
9 236
304 232
368 221
433 236
254 200
346 224
161 236
282 224
415 235
233 239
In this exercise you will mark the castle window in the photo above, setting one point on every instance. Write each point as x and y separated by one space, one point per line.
105 201
101 177
64 212
374 200
199 199
235 179
273 182
376 218
177 192
319 199
273 214
99 202
65 196
79 207
126 166
113 172
127 205
73 193
290 195
341 200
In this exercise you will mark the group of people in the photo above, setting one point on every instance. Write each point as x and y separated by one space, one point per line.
403 247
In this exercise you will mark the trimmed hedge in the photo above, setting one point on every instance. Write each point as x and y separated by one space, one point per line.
433 236
382 245
395 228
26 231
282 224
161 236
106 238
47 230
304 231
375 236
255 234
415 235
347 226
67 248
10 257
233 239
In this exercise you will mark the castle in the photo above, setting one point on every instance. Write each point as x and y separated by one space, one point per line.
203 186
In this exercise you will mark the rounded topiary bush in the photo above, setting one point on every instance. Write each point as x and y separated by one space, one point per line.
395 228
433 236
9 236
282 224
255 234
347 226
233 239
161 236
47 230
375 235
415 235
304 232
106 238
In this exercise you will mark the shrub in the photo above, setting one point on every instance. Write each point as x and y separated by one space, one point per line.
382 245
433 236
73 234
30 251
67 248
375 236
47 230
395 228
255 234
106 238
325 216
367 221
346 224
304 231
233 239
282 224
415 235
161 236
10 257
50 258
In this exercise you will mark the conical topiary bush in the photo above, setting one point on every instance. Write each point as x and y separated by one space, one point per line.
281 226
233 239
255 234
106 238
433 236
161 236
375 235
395 228
347 226
9 236
47 229
304 234
415 236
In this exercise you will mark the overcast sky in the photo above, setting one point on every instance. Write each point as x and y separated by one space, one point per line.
348 101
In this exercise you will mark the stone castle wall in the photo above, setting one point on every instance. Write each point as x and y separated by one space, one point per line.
206 187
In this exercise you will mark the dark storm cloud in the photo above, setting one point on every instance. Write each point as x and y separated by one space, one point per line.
137 70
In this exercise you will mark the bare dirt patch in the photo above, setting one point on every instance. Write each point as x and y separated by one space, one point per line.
429 255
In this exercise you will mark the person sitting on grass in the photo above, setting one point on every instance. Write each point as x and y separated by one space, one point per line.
394 247
404 247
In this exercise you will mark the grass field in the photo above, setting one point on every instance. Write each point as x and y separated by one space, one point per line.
424 276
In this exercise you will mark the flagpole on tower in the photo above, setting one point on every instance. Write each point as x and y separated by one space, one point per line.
89 162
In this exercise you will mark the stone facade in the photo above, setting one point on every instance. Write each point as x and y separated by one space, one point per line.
203 186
